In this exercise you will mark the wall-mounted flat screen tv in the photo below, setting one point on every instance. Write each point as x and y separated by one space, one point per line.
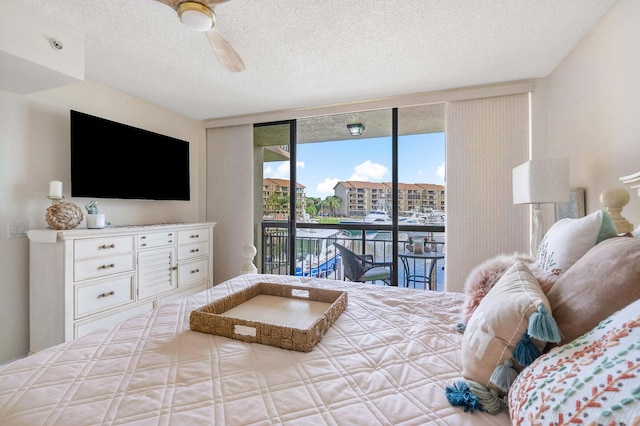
114 160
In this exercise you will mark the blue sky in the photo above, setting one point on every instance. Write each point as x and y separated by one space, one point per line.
321 165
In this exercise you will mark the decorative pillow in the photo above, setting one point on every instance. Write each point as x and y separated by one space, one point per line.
569 239
595 379
603 281
497 340
484 276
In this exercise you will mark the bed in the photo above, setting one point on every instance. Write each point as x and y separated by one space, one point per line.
565 349
386 360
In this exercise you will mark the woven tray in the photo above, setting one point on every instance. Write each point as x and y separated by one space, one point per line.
284 316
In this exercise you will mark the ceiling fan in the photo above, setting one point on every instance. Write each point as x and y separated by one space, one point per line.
199 16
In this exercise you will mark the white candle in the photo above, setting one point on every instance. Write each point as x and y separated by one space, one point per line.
55 189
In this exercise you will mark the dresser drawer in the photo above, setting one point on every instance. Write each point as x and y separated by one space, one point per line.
102 266
190 236
106 246
192 271
104 294
189 251
156 239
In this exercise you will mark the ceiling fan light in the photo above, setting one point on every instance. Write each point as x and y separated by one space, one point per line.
196 16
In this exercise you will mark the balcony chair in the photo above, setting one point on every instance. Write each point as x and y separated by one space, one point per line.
362 268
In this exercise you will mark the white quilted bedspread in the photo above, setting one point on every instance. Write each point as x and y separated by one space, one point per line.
386 360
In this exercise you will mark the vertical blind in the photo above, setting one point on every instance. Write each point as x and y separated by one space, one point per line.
486 139
230 196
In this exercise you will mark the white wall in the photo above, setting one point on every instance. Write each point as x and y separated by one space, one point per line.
593 104
34 149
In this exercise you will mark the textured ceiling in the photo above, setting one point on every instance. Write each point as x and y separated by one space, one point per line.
317 52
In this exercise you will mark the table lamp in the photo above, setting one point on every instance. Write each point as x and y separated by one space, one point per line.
540 181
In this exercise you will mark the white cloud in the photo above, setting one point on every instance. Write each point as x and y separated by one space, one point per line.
282 171
440 171
369 171
326 186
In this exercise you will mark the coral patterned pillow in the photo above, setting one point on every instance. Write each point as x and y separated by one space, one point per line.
594 379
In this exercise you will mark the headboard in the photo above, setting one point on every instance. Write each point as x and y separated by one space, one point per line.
615 199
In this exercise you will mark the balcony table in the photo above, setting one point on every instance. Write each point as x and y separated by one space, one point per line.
429 277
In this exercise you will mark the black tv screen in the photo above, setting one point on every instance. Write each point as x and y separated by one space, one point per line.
114 160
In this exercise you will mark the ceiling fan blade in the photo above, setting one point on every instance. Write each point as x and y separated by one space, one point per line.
208 3
226 54
171 3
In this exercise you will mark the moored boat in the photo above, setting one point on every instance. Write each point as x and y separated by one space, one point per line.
316 256
379 215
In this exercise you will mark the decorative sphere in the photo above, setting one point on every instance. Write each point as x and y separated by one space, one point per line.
62 215
249 251
615 197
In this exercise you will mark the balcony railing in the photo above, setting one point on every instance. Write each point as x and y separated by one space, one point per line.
317 257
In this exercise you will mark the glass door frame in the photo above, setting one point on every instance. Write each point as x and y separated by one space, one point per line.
292 219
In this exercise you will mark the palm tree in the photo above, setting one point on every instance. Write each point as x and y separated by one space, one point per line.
332 202
271 204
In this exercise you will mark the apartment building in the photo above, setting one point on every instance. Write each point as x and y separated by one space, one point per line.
358 197
276 195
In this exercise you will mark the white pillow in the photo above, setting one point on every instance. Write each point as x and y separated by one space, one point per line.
569 239
496 327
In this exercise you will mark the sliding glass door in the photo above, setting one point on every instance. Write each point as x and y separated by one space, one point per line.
275 145
358 178
421 196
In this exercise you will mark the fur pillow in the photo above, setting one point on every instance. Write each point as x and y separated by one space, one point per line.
484 276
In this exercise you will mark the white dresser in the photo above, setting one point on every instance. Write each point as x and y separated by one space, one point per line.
85 279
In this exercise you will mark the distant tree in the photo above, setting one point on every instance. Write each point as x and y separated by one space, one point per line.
282 202
332 202
311 209
315 202
272 204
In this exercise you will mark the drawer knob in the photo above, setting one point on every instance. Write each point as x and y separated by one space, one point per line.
111 293
194 236
195 250
170 241
194 271
175 268
143 238
107 246
111 265
143 245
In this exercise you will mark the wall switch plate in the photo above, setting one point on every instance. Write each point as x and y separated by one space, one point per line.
17 230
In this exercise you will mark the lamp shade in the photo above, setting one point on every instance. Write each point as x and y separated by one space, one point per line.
541 181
